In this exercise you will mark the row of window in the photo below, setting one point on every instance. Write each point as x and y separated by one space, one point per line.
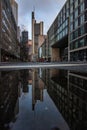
78 22
75 15
63 18
79 55
80 82
79 32
77 2
79 9
64 24
60 35
79 43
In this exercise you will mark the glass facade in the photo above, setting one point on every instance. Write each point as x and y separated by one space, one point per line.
71 21
59 31
78 27
59 28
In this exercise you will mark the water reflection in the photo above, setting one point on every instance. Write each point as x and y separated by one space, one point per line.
24 75
35 99
69 92
37 88
9 104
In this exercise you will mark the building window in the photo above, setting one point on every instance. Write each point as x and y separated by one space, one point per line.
66 22
76 13
81 42
76 44
71 17
76 23
71 1
76 3
67 5
81 19
76 34
71 46
71 9
67 13
71 37
81 7
81 1
82 30
71 27
66 30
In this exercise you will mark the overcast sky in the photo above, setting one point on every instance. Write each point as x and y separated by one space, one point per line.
45 10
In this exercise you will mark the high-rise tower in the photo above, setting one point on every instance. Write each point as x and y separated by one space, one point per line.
37 29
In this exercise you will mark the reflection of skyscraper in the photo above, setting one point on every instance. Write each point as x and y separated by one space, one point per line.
24 80
37 88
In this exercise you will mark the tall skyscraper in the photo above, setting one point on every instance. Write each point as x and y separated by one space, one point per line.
37 29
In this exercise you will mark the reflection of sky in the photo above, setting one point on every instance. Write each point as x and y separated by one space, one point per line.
45 10
44 117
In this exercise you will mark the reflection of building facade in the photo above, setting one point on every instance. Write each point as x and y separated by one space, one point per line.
37 88
8 98
24 80
9 48
69 93
44 74
37 29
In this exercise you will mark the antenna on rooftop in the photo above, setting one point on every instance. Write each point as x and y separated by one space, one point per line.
34 8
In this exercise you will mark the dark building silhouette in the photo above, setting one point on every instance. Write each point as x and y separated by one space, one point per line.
24 48
24 37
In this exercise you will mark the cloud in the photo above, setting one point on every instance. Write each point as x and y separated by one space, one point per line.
45 10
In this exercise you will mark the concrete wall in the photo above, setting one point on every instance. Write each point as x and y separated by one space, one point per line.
55 54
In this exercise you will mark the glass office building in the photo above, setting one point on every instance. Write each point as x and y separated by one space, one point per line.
58 33
78 30
68 32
